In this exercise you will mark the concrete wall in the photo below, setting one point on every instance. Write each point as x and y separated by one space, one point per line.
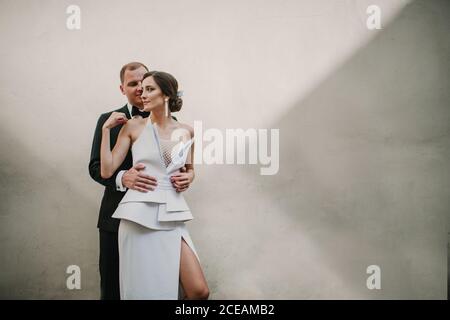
364 118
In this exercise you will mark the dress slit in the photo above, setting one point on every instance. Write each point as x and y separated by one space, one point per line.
181 292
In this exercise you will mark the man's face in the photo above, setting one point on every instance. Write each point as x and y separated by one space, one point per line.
131 86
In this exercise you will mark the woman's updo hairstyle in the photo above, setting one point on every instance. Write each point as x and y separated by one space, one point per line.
169 87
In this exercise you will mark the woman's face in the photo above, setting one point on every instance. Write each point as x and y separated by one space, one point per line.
152 96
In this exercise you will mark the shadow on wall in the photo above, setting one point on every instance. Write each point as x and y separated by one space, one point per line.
46 226
363 177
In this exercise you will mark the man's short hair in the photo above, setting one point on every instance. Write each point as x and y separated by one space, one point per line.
130 66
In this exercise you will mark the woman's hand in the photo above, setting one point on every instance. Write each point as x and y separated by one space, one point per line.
115 119
110 160
182 180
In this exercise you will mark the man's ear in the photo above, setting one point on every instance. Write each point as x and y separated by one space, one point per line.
121 89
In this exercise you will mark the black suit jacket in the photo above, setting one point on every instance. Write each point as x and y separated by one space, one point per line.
111 197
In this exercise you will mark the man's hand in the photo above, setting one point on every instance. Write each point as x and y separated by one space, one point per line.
182 180
137 180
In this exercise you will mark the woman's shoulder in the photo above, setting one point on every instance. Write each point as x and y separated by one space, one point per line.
189 131
134 124
136 121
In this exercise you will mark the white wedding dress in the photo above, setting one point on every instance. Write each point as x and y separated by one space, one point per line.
152 224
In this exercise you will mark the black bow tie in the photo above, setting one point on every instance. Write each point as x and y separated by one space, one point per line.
136 112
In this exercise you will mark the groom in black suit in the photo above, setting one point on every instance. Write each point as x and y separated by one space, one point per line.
125 177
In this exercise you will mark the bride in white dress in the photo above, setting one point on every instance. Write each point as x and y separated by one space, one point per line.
158 259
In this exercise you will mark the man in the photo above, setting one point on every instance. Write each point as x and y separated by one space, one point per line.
126 176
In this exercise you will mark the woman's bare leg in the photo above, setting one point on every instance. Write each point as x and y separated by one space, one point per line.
191 275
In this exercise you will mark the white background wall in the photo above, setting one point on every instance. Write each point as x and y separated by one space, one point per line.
364 141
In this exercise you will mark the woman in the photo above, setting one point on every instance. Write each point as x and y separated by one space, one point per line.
155 249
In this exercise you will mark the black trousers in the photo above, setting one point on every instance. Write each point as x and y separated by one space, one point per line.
109 266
